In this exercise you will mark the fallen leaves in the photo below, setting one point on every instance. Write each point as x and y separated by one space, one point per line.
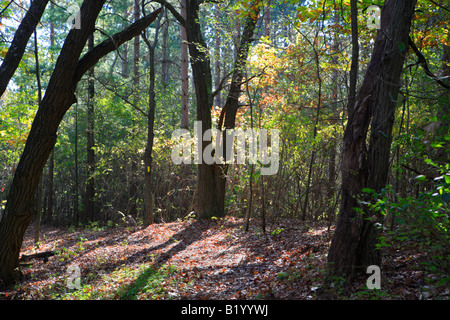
206 260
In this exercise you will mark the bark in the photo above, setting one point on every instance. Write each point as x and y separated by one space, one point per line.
133 177
41 182
267 21
355 55
164 52
148 159
228 114
19 43
184 72
58 98
217 100
353 245
51 161
89 213
207 202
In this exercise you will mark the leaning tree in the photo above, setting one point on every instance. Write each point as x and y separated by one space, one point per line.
59 96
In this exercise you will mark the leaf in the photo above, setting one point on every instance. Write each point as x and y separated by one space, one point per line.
420 177
436 145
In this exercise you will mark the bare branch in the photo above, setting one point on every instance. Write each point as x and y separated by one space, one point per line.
112 43
175 13
423 62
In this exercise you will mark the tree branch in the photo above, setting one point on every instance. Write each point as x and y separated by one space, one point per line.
175 13
19 43
112 43
423 62
439 5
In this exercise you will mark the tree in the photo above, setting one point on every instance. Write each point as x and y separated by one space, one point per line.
21 37
58 98
148 158
353 245
89 207
228 114
184 71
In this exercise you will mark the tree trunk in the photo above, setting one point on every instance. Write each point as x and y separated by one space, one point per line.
148 159
353 245
267 21
207 202
355 56
19 43
164 52
217 100
41 180
184 71
228 114
51 162
89 214
58 98
76 195
134 166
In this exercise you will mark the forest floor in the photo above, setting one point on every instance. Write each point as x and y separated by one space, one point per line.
213 259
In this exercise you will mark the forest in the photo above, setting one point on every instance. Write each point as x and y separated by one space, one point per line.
224 150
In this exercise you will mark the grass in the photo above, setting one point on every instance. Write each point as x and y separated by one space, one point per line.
128 283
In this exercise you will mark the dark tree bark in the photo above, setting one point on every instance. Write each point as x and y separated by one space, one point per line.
355 55
208 202
207 197
184 71
19 43
228 115
217 45
148 158
353 245
89 210
58 98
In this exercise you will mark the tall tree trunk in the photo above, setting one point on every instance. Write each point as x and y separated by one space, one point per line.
89 214
164 51
148 159
353 245
217 100
51 162
355 55
316 123
184 71
207 202
134 165
267 21
333 142
228 114
76 195
41 182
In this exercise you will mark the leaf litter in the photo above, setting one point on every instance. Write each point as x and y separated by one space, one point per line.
213 259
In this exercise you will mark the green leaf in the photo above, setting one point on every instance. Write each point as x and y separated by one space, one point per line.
420 178
436 145
447 179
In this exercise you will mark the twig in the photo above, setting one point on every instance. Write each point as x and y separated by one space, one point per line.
423 62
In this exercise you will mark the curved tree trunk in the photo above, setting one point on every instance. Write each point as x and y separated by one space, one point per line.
58 98
357 231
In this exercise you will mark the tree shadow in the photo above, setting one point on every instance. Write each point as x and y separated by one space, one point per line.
184 238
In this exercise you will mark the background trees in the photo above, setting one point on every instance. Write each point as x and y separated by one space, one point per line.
296 78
